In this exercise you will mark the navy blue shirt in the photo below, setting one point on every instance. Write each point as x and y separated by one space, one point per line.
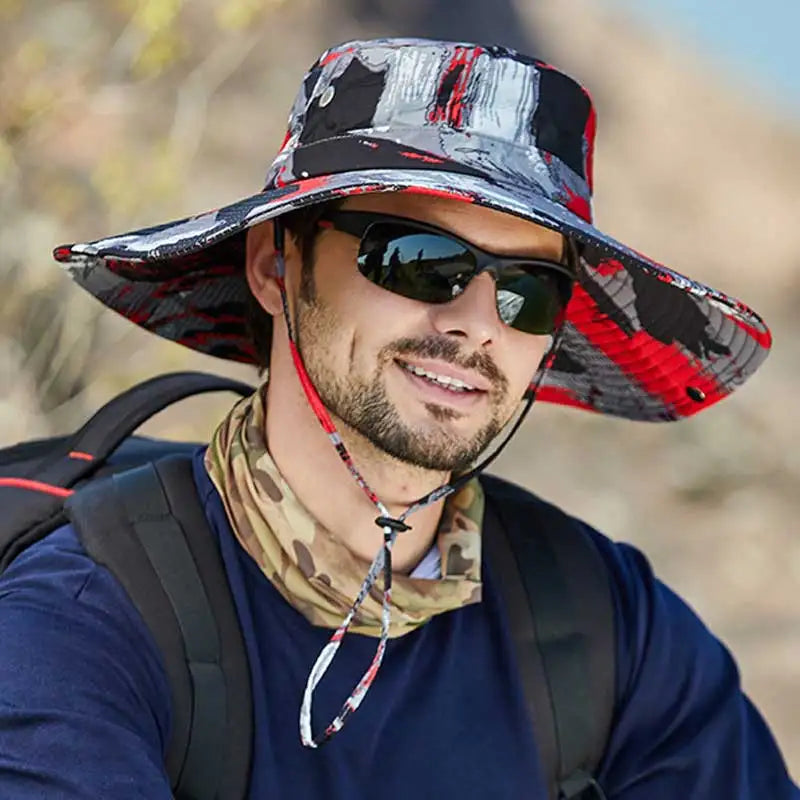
85 710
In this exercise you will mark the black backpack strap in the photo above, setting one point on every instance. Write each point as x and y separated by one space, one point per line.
122 415
65 462
149 529
556 590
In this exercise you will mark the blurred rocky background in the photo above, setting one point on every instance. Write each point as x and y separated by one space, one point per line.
124 113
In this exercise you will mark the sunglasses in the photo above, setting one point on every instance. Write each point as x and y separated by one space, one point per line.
422 262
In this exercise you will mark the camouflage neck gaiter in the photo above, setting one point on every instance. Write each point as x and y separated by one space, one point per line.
315 572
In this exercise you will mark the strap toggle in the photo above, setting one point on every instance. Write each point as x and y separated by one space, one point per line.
395 524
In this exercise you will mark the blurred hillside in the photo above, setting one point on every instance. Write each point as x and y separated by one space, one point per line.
117 115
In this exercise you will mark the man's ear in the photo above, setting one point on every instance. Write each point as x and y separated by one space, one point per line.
260 268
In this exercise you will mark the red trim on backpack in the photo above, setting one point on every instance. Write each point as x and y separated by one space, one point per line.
81 456
36 486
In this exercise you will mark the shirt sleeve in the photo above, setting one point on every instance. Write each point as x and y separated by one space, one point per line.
84 699
683 727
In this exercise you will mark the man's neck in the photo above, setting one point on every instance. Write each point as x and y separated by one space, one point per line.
322 483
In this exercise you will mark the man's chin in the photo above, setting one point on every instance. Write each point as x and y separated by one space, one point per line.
435 445
406 426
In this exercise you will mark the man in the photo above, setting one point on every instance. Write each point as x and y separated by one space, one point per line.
421 261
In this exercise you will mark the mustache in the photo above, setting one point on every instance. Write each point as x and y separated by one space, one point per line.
448 350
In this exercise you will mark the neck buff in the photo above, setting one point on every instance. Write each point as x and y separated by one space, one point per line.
315 572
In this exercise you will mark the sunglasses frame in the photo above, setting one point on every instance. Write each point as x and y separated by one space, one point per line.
358 223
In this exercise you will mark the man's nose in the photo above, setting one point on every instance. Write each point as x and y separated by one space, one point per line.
472 314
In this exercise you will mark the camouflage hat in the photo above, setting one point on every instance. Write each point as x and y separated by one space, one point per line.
481 124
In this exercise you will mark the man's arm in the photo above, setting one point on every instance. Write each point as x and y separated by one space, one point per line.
683 727
84 701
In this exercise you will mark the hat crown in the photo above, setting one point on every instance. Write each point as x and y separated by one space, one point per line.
484 108
468 123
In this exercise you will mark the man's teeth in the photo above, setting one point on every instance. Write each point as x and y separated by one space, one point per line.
454 384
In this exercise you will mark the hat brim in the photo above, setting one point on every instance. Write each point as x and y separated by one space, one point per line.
640 341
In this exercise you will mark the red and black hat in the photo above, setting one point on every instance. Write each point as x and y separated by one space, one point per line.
480 124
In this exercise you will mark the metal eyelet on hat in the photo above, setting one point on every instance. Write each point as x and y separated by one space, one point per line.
698 395
326 97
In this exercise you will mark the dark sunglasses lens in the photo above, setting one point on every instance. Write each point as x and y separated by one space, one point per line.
530 300
413 263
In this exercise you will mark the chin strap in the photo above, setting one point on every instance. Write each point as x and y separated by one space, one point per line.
391 526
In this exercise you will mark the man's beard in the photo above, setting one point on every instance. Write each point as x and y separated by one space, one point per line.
363 405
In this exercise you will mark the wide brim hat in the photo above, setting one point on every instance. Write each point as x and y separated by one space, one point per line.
480 124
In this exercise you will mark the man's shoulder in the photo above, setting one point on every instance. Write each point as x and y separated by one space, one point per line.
78 668
55 565
523 507
56 576
515 497
627 568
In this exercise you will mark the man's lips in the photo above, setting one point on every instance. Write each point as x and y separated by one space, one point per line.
438 394
476 382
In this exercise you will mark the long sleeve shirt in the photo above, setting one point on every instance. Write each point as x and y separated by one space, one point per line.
85 704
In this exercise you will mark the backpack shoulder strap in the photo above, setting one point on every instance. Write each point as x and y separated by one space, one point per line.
35 477
123 414
148 528
556 590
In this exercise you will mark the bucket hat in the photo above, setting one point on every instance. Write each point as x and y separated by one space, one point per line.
476 123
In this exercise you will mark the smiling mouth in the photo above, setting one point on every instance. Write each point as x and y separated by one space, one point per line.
453 385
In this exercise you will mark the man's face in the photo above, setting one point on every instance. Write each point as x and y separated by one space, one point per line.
362 344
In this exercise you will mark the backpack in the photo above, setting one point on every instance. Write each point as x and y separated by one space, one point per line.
103 478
